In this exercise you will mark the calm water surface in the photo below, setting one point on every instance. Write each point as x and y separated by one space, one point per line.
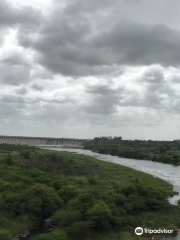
167 172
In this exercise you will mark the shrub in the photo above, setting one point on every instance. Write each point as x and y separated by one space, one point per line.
9 160
69 217
26 154
6 186
57 184
92 181
109 197
57 234
11 203
57 217
100 215
42 196
156 198
79 229
97 190
84 202
45 167
128 189
67 192
5 234
56 158
66 217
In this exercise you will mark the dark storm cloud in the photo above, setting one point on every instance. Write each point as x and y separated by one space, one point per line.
139 44
26 15
75 45
68 53
26 18
75 41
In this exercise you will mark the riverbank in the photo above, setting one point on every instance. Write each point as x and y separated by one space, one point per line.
157 151
166 172
77 186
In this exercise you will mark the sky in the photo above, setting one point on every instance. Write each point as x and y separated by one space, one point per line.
84 69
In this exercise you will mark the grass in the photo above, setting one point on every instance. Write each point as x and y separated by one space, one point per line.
109 173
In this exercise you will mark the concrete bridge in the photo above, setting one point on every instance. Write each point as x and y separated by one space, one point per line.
41 140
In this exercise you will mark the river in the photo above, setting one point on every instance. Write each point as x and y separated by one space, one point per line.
166 172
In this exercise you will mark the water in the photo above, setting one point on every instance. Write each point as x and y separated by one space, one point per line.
42 228
166 172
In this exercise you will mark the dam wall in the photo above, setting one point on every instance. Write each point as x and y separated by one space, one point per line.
40 140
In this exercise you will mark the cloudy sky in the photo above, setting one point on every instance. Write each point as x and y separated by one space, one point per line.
87 68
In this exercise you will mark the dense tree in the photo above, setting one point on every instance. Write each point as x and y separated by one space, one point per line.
67 192
83 202
79 230
100 214
57 184
45 197
156 198
66 217
137 149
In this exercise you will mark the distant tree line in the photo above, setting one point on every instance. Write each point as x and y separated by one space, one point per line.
159 151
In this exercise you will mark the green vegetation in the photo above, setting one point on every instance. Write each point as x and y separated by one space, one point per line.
55 235
158 151
5 234
87 198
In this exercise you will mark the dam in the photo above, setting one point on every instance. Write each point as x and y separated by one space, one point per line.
24 140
